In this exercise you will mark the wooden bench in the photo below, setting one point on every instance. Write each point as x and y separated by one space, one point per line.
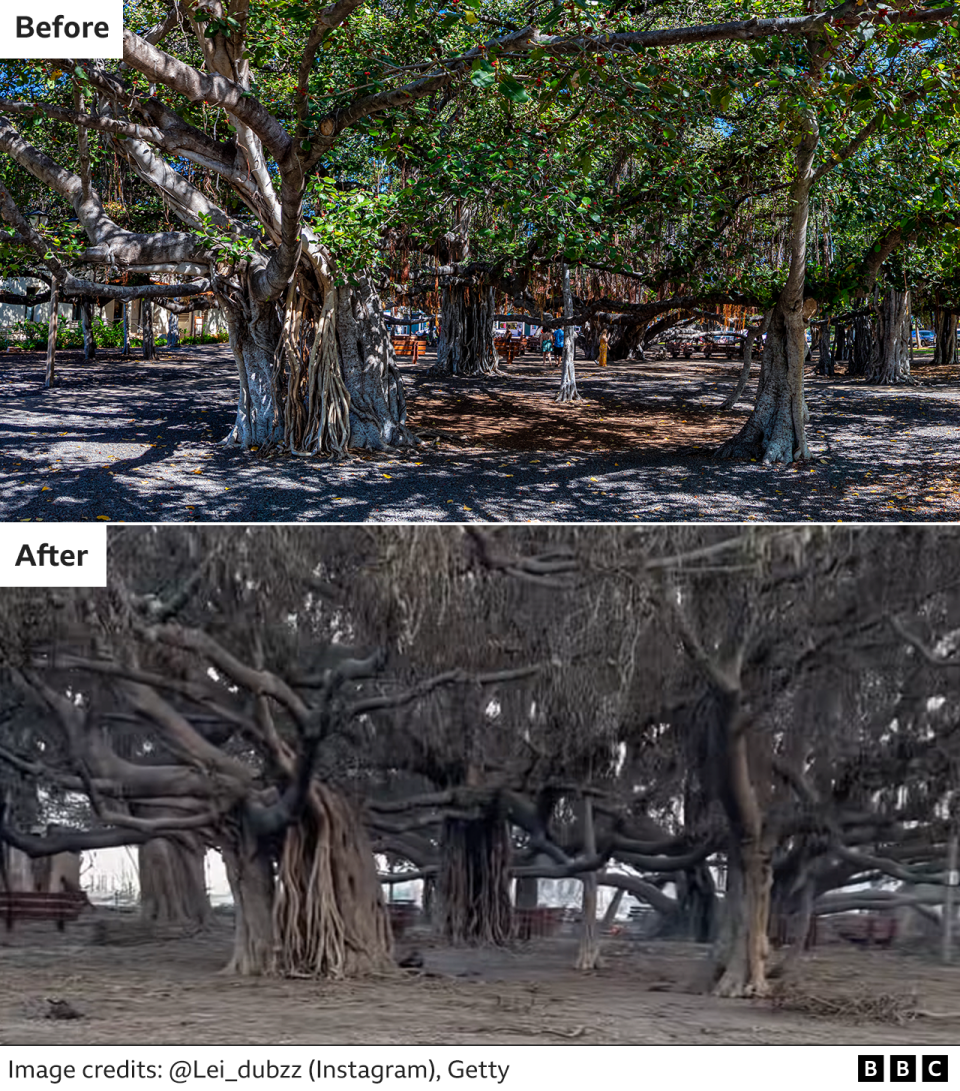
402 916
408 346
537 923
25 905
507 348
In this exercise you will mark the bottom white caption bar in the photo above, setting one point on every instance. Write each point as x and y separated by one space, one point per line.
508 1066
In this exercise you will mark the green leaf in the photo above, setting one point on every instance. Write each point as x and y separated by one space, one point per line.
509 88
482 73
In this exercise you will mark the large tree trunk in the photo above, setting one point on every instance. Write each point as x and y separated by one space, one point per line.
890 358
474 882
945 329
86 323
862 346
320 911
588 956
776 429
249 867
568 380
329 918
752 334
322 380
466 331
146 329
173 888
742 948
49 377
254 337
378 408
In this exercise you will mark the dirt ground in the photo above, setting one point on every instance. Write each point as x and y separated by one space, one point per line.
134 991
121 440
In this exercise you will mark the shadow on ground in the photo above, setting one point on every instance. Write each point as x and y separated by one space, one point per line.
121 439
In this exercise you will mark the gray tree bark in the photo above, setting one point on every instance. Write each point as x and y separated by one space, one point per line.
173 889
890 356
752 334
568 380
776 429
466 331
945 330
86 324
588 957
146 327
49 377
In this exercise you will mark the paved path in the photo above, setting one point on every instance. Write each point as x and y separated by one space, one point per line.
126 440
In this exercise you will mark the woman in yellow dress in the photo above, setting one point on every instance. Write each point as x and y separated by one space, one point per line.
604 345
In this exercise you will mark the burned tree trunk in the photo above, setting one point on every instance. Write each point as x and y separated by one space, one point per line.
890 358
466 331
329 917
474 881
742 949
315 908
588 957
697 905
249 867
173 888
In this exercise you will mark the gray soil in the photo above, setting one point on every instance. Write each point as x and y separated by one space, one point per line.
134 989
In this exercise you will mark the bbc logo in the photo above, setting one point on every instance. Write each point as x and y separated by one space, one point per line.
903 1068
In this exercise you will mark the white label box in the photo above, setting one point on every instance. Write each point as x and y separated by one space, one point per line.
72 29
53 555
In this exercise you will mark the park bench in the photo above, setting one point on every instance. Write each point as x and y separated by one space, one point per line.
27 905
533 344
783 931
508 349
402 915
409 346
867 930
537 923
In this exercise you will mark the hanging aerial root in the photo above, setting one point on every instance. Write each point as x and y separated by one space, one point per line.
328 406
474 882
329 917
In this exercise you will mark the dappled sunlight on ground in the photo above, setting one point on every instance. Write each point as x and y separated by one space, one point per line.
126 440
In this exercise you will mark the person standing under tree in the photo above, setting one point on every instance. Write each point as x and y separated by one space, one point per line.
557 346
602 352
546 344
